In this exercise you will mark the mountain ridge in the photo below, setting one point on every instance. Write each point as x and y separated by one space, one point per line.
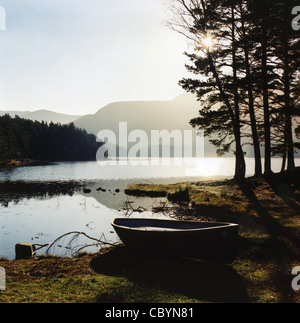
42 115
143 115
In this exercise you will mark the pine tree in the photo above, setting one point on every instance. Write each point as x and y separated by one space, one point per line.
207 22
248 79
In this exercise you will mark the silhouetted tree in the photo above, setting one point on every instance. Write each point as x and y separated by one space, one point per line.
246 57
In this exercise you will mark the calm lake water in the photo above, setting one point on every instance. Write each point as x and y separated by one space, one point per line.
41 220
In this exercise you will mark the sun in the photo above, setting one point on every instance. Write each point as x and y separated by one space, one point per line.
207 42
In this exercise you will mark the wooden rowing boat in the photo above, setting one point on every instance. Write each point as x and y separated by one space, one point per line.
203 239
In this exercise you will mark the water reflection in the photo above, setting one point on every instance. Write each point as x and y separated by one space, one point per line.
18 190
39 213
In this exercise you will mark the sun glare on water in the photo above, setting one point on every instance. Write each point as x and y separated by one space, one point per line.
208 167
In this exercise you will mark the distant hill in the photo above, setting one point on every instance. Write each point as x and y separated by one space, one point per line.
145 115
14 113
43 115
152 115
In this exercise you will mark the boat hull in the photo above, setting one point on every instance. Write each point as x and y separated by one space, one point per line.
201 239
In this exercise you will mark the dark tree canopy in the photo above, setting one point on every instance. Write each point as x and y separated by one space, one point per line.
26 139
246 74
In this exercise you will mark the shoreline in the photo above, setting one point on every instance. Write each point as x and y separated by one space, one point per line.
24 163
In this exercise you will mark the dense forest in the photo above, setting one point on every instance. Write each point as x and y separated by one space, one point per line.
25 139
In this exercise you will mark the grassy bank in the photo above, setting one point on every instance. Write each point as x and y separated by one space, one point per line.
85 279
268 212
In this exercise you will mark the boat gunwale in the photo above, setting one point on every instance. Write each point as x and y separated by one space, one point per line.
223 225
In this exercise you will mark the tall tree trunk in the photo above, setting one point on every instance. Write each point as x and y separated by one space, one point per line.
288 133
290 144
283 156
267 126
255 138
256 145
240 167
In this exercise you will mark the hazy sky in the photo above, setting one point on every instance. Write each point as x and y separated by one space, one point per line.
74 56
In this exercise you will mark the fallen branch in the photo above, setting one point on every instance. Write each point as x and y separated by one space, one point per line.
70 247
